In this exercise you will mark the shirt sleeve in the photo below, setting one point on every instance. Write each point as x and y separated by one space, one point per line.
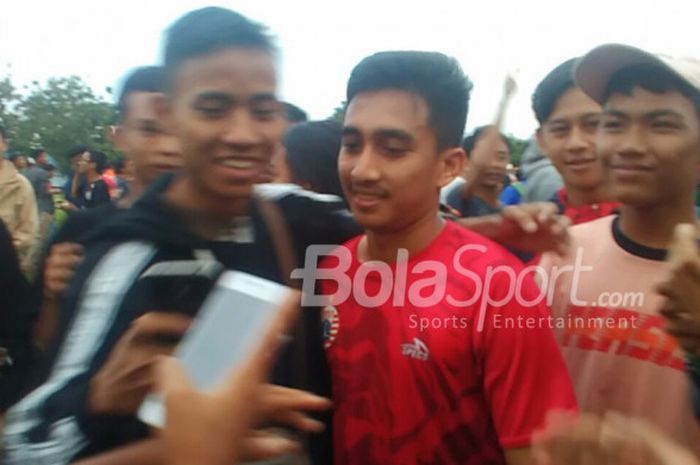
524 374
510 196
28 227
318 219
54 424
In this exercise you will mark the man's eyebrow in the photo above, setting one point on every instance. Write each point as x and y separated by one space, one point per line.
553 122
263 97
664 112
350 131
214 95
616 113
390 133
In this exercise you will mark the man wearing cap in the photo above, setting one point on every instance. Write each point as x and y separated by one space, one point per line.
606 311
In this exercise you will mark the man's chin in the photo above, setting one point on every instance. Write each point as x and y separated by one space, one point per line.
634 198
230 193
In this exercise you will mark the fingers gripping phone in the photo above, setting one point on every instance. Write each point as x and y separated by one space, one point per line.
234 315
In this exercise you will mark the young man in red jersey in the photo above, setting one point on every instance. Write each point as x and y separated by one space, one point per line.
568 120
423 369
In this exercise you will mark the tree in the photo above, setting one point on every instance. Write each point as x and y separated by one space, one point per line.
339 112
58 115
517 148
8 101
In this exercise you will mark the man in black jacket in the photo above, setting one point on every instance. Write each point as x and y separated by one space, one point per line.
221 104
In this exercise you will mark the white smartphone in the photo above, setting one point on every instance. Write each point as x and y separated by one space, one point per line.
233 318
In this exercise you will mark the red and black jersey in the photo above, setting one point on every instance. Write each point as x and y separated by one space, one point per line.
429 372
583 213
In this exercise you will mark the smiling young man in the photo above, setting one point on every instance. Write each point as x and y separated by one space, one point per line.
140 136
619 355
568 121
421 371
485 175
220 102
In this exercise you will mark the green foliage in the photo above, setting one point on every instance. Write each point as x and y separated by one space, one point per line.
8 99
517 147
56 116
339 112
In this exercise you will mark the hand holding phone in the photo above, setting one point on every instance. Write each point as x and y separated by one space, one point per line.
217 426
230 324
122 383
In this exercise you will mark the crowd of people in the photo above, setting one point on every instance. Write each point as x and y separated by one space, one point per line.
473 312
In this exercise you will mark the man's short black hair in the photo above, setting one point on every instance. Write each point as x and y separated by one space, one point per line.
652 78
36 153
209 30
76 150
15 155
118 165
470 141
295 114
435 77
551 88
312 155
100 161
143 79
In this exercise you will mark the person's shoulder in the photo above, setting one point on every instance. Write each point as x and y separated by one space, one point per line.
480 251
24 182
593 239
451 194
322 218
82 222
592 230
37 170
30 172
292 193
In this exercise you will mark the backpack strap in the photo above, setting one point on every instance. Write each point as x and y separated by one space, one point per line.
281 238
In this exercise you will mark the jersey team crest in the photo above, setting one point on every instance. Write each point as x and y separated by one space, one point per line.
331 323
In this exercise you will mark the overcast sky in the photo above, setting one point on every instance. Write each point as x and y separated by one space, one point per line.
322 40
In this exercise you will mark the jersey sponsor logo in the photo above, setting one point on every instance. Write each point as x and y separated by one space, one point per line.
417 349
331 324
608 330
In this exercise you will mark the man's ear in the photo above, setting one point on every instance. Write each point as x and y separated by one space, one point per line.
540 141
453 162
